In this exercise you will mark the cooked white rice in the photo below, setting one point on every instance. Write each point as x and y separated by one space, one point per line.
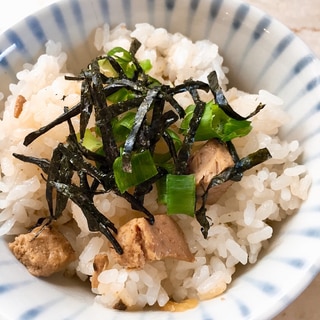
240 220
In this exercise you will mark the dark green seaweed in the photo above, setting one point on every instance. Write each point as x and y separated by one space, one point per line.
185 151
139 119
222 101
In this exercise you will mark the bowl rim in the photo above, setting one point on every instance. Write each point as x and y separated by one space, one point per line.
315 267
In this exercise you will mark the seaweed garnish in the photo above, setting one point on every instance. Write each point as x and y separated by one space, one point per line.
223 102
139 120
133 114
185 151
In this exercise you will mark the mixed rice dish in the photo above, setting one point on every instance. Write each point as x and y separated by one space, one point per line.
154 205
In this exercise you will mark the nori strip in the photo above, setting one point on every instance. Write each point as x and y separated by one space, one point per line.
42 163
96 220
124 106
86 105
131 139
222 101
74 111
60 170
103 116
184 153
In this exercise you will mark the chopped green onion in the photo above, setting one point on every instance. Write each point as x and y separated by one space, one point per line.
122 126
161 190
181 194
121 95
143 168
146 65
124 59
90 141
106 68
216 124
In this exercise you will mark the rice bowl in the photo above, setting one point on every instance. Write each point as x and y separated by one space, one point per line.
293 147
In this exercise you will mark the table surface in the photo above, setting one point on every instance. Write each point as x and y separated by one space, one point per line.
301 17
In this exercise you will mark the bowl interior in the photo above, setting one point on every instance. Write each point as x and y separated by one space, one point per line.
260 54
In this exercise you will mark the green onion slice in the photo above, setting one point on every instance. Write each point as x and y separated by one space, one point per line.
180 194
216 124
143 168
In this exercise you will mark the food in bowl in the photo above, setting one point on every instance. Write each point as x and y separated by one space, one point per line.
125 263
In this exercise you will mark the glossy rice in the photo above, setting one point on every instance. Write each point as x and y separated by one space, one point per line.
241 220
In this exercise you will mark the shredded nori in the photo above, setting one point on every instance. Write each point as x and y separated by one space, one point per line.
94 170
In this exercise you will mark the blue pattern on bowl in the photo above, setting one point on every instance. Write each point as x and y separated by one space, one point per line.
253 43
38 310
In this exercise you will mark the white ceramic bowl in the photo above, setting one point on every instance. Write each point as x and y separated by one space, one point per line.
261 53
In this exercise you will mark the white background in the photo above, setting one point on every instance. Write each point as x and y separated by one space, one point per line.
303 17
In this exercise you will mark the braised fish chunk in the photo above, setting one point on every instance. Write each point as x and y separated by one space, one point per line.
211 159
142 242
43 251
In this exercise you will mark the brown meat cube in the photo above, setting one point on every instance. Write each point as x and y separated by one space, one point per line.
18 107
100 263
142 242
43 251
211 159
